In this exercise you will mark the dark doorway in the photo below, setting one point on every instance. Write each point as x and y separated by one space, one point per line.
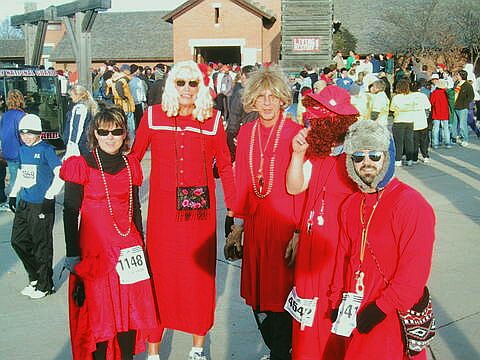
223 54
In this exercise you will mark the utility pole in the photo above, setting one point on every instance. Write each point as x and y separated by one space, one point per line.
79 17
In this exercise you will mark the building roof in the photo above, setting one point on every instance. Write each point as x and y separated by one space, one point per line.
12 48
129 36
253 6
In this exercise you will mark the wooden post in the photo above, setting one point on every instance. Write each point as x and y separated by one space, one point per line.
29 31
79 17
84 58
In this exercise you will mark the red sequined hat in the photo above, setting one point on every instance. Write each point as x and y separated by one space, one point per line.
335 99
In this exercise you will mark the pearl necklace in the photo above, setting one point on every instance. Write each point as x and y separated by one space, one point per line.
109 203
259 191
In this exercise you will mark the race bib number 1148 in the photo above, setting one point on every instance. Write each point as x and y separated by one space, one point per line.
131 267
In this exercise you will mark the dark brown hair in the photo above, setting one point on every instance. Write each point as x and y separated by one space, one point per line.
403 87
106 116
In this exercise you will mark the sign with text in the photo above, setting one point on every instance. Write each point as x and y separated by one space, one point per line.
27 72
310 44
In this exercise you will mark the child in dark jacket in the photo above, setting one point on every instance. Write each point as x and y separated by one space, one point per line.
36 185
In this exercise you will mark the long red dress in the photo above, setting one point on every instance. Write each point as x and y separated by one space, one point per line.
316 254
269 222
401 236
109 307
182 253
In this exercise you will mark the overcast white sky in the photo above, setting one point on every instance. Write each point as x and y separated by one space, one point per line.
15 7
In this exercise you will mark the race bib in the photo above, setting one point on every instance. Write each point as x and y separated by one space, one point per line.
302 310
347 314
29 175
131 267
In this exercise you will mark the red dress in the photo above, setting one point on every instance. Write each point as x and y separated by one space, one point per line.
109 307
269 222
401 236
182 253
316 254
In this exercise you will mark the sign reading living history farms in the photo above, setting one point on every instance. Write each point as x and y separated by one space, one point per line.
309 44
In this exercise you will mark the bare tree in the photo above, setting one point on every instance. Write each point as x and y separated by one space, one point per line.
432 30
9 32
466 17
412 26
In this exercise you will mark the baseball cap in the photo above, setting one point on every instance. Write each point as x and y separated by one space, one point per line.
30 123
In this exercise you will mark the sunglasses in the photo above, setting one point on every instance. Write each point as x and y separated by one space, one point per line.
191 83
114 132
359 156
32 132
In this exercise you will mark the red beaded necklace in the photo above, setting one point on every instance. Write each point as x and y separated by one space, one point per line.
258 191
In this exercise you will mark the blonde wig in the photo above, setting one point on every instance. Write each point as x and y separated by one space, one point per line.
15 100
83 96
187 70
268 78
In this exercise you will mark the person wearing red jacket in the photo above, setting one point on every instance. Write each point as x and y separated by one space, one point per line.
385 251
440 115
317 167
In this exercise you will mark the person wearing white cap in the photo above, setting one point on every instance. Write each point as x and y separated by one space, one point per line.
36 185
434 80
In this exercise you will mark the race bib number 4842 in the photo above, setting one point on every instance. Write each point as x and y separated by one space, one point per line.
302 310
131 267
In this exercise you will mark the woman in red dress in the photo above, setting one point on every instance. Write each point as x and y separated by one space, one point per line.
110 296
270 214
185 135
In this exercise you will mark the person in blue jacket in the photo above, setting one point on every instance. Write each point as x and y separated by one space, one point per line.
10 139
37 183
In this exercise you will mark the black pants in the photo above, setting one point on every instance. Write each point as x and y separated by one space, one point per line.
420 141
3 175
276 330
403 137
126 342
32 240
137 115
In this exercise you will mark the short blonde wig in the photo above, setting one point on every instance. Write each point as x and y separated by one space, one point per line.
187 70
268 78
15 100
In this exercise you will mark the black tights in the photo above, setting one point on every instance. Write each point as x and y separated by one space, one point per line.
126 341
276 330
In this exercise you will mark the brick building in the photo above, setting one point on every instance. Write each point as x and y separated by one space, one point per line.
230 31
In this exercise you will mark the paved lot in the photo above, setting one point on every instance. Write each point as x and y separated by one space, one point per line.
39 329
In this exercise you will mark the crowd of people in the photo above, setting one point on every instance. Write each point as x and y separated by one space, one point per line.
326 233
427 107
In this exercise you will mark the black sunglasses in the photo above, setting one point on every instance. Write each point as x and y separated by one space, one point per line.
191 83
114 132
359 156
